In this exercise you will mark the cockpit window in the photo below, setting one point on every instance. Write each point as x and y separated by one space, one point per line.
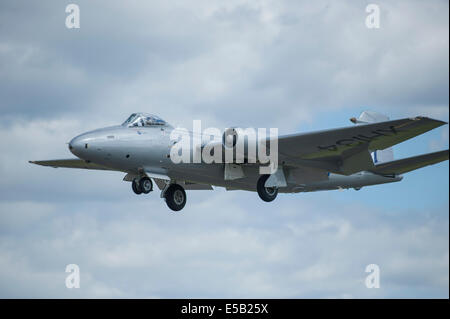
143 119
129 119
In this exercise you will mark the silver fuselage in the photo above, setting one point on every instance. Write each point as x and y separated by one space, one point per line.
140 149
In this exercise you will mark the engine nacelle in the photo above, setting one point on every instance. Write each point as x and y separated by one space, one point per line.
242 144
229 138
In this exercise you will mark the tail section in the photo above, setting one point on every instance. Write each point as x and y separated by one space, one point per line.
409 164
368 117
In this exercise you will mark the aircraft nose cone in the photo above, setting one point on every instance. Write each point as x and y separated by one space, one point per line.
76 145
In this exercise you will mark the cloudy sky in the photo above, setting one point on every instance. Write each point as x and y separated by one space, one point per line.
295 65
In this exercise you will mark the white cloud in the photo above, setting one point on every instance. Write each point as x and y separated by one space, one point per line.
131 249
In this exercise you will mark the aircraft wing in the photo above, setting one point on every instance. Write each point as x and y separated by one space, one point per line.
406 165
347 150
161 183
71 163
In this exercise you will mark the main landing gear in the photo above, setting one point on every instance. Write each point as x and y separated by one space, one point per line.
174 194
143 185
267 194
175 197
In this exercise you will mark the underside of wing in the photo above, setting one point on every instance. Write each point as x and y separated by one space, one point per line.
409 164
347 150
186 185
71 163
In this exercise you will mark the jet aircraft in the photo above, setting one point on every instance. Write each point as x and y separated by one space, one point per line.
343 158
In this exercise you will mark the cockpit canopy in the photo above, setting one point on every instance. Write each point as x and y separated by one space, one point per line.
143 120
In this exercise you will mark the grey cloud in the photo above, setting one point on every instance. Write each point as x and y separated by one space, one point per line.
216 59
235 252
249 63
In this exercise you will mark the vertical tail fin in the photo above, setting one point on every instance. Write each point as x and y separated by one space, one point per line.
366 117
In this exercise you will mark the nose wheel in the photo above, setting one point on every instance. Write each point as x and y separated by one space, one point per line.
143 185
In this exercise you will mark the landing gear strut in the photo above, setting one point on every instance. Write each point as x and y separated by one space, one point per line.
143 185
175 197
267 194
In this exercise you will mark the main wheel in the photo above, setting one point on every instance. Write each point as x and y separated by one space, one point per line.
146 185
267 194
175 197
136 188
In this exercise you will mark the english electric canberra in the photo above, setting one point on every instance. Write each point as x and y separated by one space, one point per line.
342 158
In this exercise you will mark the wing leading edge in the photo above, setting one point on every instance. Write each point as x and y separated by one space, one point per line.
158 178
71 163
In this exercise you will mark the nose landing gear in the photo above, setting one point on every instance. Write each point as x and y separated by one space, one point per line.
143 185
135 187
146 185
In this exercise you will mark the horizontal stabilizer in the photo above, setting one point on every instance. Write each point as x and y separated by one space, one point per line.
70 163
409 164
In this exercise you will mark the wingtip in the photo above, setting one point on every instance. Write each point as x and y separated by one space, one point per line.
35 162
439 122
